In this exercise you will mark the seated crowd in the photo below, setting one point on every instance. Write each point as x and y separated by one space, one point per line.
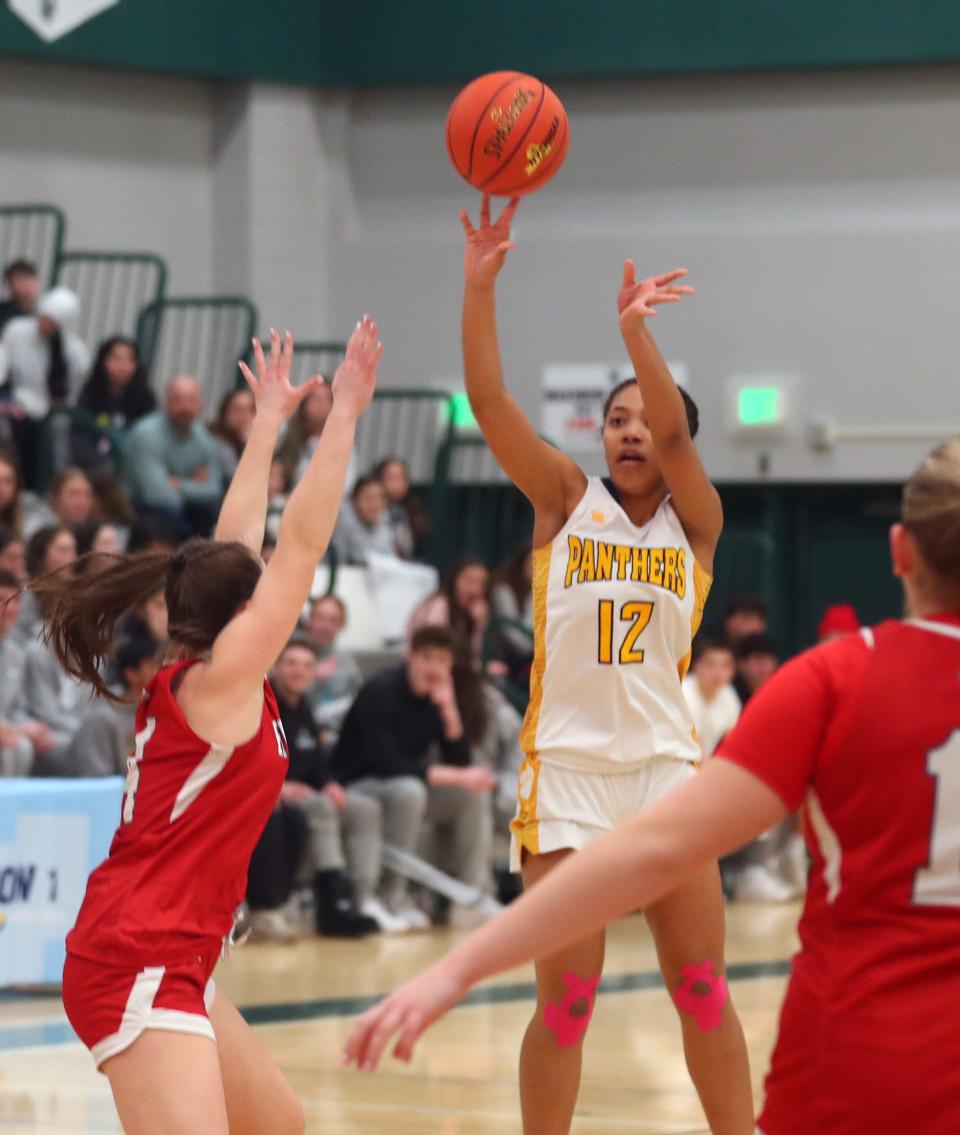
416 752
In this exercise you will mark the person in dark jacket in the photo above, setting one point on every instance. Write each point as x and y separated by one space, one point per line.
344 826
401 722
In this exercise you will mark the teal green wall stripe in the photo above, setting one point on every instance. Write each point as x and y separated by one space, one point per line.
377 42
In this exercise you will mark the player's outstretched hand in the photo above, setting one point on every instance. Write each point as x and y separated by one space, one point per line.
271 387
356 377
638 298
404 1015
487 246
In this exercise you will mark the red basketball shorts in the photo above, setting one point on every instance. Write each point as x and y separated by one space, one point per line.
110 1007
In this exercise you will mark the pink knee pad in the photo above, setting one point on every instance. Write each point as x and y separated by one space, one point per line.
568 1019
703 995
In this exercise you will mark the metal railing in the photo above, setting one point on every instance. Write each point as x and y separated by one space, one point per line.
113 289
197 335
33 232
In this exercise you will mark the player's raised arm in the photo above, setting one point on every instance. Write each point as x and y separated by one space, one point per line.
695 499
250 643
547 477
623 870
244 509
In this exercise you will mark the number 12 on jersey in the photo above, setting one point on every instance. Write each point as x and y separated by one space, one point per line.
637 616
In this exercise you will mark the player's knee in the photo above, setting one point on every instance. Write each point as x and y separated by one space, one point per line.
293 1120
568 1018
702 994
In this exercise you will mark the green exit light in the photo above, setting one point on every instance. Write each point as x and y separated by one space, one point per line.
758 406
460 412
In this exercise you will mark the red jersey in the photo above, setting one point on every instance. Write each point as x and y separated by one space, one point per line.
865 733
191 815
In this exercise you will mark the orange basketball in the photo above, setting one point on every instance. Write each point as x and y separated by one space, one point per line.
507 133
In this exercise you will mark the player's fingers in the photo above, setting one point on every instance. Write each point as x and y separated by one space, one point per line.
275 348
286 352
410 1031
356 1044
510 211
248 375
680 290
669 277
663 297
485 211
629 273
380 1036
465 222
258 357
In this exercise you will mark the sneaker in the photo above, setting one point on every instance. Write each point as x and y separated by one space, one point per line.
413 918
337 913
468 917
757 884
271 926
388 923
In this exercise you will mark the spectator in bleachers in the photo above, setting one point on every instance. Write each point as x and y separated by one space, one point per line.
21 281
151 534
116 394
42 358
13 554
345 826
99 542
27 746
11 486
744 615
492 727
387 751
838 620
231 428
173 464
56 699
336 678
48 549
272 875
304 432
708 690
278 489
146 623
757 658
462 605
106 734
363 525
511 597
406 512
70 502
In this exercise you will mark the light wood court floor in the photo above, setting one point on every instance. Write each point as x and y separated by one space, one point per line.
463 1081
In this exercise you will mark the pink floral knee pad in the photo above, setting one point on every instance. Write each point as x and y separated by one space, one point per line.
568 1019
702 994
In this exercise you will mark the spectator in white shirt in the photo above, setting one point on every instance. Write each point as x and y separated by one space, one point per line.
710 694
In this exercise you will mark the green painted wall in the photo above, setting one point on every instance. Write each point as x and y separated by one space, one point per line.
375 42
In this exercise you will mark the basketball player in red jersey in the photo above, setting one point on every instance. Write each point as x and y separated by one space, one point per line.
209 762
864 732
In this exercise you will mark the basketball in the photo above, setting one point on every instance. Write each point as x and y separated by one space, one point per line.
507 133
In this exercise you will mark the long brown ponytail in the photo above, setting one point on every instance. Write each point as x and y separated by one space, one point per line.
204 584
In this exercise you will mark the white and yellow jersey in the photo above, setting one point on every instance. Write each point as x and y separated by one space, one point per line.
616 607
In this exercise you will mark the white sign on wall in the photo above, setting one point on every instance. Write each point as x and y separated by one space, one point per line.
52 19
573 398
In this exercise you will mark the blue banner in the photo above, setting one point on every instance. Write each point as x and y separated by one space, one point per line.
52 835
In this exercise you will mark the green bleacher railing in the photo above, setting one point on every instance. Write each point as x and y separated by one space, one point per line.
34 231
113 288
197 335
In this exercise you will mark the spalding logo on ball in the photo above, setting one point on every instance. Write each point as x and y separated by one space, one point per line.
507 133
